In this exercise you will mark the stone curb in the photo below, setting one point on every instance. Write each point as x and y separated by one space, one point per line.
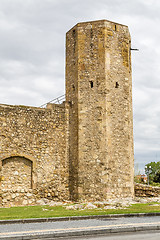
83 233
72 218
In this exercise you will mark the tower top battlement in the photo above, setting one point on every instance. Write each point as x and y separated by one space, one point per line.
104 21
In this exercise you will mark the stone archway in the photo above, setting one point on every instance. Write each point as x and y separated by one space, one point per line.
16 173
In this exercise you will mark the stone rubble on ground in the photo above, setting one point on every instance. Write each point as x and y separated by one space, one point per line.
55 204
90 206
106 205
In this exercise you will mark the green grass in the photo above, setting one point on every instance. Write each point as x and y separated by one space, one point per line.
60 211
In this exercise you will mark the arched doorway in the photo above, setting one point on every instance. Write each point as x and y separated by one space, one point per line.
16 173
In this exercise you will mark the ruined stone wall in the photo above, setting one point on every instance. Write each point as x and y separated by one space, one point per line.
142 190
32 154
99 88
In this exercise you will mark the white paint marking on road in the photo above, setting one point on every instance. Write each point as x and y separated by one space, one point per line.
81 228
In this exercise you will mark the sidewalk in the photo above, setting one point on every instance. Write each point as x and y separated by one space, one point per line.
78 232
77 226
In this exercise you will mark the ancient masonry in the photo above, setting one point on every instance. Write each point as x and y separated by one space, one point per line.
82 149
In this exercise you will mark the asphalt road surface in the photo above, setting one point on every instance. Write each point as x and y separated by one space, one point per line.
153 235
25 229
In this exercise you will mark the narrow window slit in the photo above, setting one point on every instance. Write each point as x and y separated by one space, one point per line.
91 33
117 85
73 87
91 84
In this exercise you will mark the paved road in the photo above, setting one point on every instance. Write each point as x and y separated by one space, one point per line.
13 230
129 236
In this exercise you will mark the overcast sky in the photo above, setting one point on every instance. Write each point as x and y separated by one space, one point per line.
32 56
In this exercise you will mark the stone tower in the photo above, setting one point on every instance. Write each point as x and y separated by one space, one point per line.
99 93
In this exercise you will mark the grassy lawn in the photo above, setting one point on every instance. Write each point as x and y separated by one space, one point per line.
60 211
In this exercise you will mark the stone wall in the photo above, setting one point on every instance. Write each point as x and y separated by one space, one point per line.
33 153
80 150
142 190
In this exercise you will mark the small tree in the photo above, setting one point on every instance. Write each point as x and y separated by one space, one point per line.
154 170
157 177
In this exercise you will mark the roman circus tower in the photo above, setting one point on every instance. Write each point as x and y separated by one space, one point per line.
99 97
